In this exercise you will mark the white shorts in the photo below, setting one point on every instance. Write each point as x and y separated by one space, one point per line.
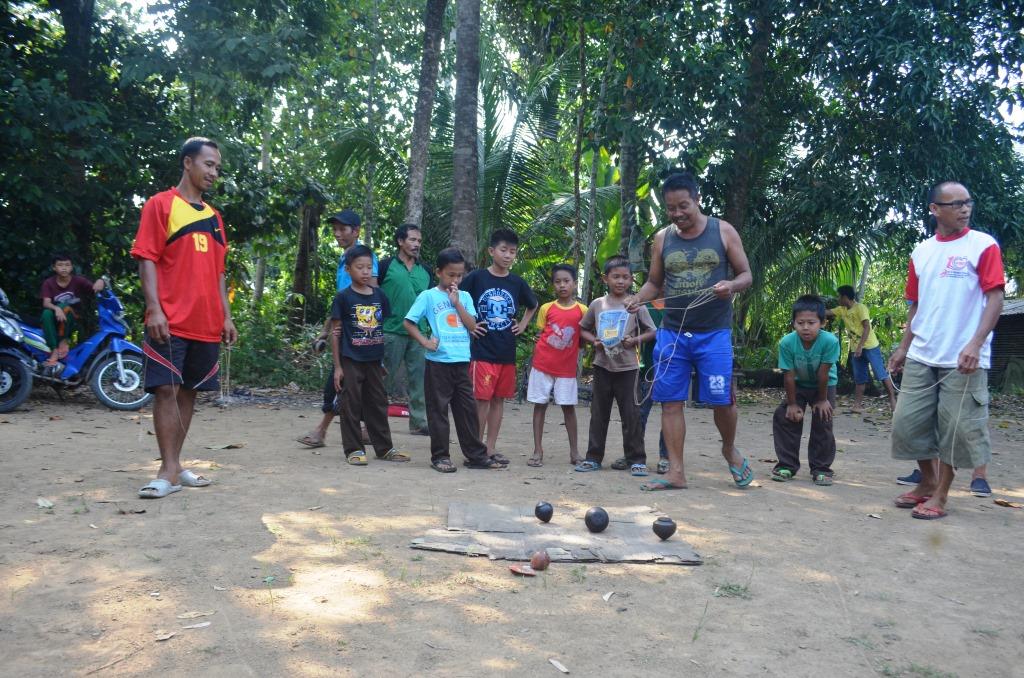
542 385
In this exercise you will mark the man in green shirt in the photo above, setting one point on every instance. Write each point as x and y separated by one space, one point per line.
402 278
864 349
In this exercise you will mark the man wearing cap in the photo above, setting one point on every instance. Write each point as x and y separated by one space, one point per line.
345 225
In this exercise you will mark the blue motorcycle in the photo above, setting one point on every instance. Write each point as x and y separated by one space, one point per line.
112 366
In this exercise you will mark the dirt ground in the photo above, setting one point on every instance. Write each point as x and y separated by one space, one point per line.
305 566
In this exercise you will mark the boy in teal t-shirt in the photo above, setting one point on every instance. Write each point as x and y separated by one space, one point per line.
452 316
809 357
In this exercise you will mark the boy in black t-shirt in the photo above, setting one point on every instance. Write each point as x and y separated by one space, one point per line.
360 310
498 294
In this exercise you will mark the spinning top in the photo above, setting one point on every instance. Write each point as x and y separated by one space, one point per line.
543 511
596 519
540 560
664 527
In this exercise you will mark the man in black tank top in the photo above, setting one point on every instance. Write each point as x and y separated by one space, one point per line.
697 265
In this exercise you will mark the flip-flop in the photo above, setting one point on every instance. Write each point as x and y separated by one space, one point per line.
588 465
743 475
660 485
190 479
158 489
910 500
662 466
638 470
928 513
535 461
500 458
357 459
310 441
394 455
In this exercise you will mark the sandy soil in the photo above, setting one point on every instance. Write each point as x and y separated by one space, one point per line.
305 564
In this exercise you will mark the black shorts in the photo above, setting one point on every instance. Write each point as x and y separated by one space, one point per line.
192 364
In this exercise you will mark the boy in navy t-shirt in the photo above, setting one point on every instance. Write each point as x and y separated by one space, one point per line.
498 294
359 310
451 315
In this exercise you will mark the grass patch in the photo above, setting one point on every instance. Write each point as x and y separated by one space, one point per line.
732 591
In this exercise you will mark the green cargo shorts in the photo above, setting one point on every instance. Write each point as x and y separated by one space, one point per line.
942 414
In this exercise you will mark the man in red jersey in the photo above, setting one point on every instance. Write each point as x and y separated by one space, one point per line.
181 247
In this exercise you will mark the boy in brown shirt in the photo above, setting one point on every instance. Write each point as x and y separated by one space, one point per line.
616 335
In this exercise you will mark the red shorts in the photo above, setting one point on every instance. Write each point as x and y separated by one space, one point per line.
492 380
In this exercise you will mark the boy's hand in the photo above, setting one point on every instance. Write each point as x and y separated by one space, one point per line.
98 285
156 326
630 341
339 374
857 353
431 344
824 409
60 315
598 345
794 413
519 327
897 359
480 329
453 294
632 305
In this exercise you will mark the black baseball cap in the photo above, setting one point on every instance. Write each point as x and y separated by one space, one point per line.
347 217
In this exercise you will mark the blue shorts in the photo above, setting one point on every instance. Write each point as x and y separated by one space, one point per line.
676 354
872 356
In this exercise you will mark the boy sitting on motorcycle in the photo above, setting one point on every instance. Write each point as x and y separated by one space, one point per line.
62 295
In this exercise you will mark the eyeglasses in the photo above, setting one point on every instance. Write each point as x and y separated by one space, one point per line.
957 204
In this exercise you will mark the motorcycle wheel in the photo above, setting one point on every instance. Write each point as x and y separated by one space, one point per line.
15 383
111 391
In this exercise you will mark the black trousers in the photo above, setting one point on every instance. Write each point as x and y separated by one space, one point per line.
821 451
618 387
364 398
447 385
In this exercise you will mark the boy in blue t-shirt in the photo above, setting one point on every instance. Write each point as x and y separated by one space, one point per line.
451 315
809 358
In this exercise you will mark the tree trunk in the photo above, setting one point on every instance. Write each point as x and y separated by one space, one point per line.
465 159
629 172
746 159
371 121
302 279
77 18
578 235
589 247
260 273
433 22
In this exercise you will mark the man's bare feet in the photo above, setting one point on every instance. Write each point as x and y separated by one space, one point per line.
62 350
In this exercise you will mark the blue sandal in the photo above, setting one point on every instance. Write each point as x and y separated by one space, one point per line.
638 470
588 465
743 475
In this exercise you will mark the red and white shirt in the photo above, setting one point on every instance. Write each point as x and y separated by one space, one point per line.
948 279
188 245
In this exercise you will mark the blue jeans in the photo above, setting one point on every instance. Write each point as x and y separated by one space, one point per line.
872 357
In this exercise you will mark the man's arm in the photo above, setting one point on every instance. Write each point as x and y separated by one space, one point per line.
970 356
156 321
742 277
655 278
899 356
229 334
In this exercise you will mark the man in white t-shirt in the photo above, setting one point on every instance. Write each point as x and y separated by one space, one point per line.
955 289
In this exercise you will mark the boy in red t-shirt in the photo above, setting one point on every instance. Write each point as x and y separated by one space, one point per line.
62 295
554 361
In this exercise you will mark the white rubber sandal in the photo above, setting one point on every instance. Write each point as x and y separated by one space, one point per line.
158 489
190 479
